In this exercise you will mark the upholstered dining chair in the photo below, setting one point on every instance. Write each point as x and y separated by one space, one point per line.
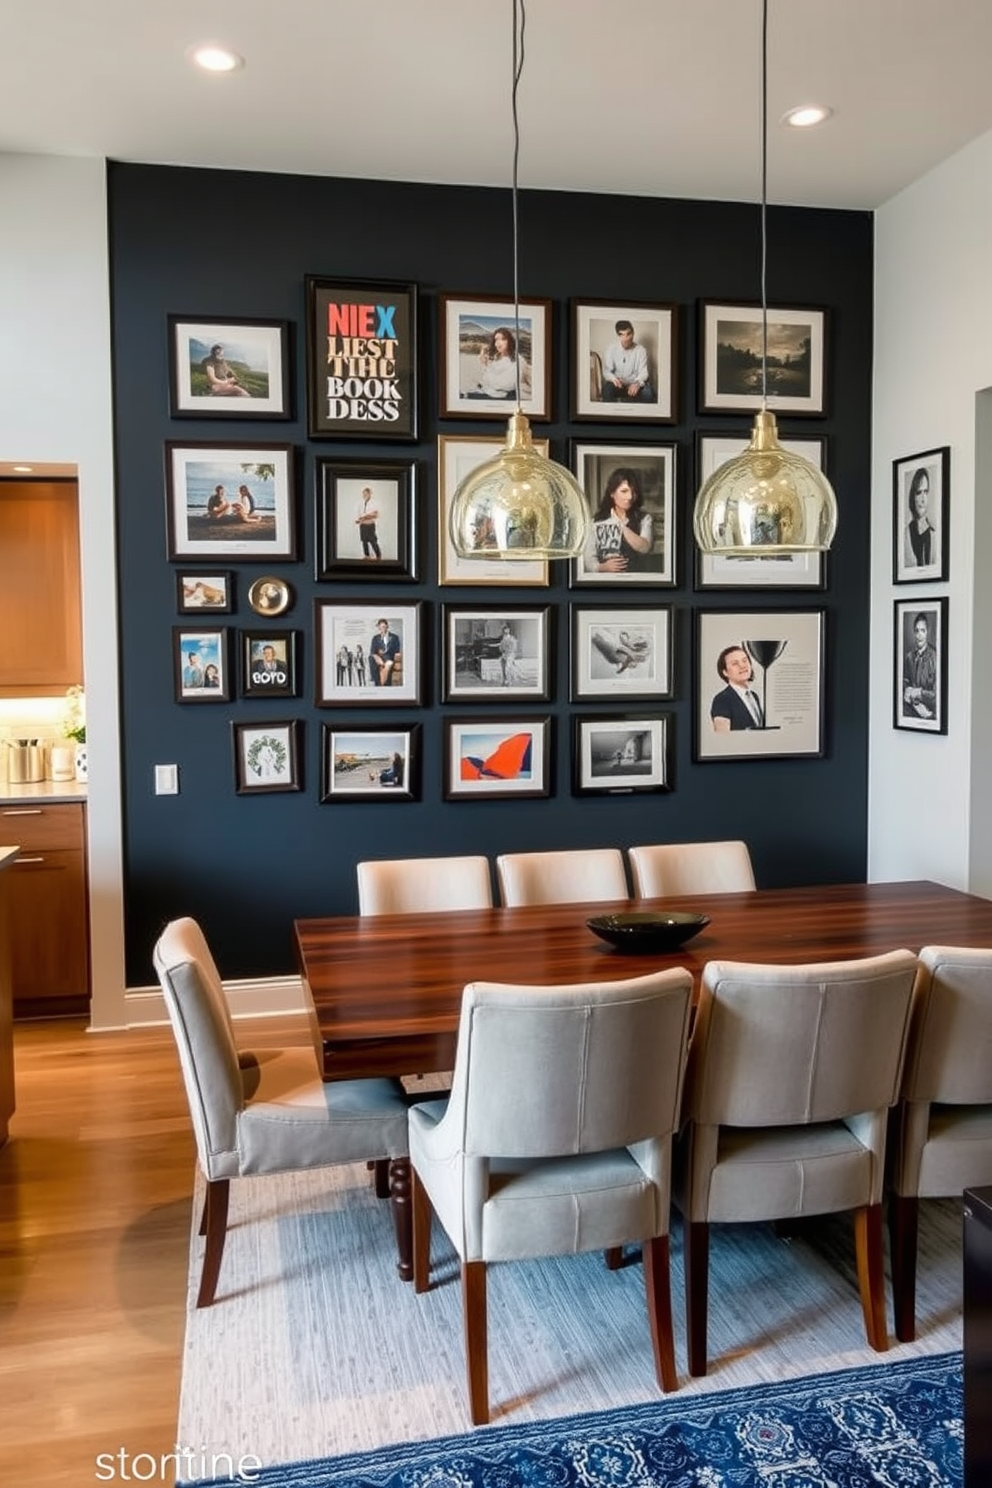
271 1113
941 1136
593 874
792 1070
423 885
664 869
556 1138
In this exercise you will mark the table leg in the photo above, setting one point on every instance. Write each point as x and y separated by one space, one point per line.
399 1193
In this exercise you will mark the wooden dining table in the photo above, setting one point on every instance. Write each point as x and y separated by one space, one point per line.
387 989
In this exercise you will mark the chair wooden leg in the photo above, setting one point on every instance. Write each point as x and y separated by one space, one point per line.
904 1213
697 1281
203 1212
422 1214
215 1211
613 1256
476 1339
871 1273
381 1171
658 1288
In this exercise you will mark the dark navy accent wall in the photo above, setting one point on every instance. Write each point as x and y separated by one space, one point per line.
227 244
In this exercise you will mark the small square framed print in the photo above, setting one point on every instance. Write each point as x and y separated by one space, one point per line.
200 665
759 684
199 592
489 353
367 653
731 343
268 663
496 652
920 665
365 520
233 501
267 757
615 755
623 362
630 494
496 759
622 653
921 508
229 368
370 764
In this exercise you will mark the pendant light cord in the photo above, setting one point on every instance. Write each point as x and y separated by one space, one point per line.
764 205
519 23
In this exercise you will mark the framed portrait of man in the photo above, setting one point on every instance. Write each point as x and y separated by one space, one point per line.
919 673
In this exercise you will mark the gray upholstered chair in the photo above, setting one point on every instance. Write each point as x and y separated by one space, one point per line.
792 1070
941 1137
665 869
272 1113
556 1139
423 885
594 874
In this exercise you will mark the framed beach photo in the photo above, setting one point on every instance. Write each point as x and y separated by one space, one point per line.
361 359
268 663
921 510
630 494
919 673
196 592
222 368
617 755
370 764
623 362
267 757
367 653
230 501
784 571
496 759
625 652
499 652
487 352
730 360
200 665
457 456
366 520
759 684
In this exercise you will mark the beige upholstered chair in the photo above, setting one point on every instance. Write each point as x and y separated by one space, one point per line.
941 1140
556 1139
270 1114
422 885
792 1070
664 869
591 874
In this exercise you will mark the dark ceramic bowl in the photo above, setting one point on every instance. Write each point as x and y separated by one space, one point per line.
647 929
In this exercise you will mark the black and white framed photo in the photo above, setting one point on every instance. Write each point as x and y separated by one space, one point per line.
365 520
497 652
630 493
367 652
626 652
268 663
613 755
223 368
921 509
457 456
370 764
784 571
361 358
199 592
267 757
230 501
496 759
200 665
624 359
920 665
731 343
485 349
759 684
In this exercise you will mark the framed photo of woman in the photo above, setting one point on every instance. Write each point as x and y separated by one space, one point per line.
630 491
921 490
489 352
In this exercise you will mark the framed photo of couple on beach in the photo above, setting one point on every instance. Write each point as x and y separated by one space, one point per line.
229 501
365 520
489 353
228 368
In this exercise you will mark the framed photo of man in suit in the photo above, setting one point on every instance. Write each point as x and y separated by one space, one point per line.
759 684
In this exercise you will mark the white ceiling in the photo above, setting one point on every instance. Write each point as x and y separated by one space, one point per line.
652 97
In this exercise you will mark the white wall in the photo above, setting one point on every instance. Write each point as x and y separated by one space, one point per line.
933 356
55 407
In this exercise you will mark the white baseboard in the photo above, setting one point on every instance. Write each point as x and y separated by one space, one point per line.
251 998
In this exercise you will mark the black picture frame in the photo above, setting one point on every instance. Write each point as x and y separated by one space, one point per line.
467 325
921 532
609 559
254 365
267 756
207 593
363 763
622 653
269 663
622 754
495 652
783 663
198 470
496 758
651 326
350 626
730 347
384 546
201 664
361 351
919 672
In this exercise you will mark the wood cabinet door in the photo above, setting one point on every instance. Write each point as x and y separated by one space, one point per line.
39 588
48 943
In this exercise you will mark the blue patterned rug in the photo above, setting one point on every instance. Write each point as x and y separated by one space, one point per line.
886 1426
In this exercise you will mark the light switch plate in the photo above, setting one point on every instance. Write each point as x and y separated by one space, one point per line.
167 780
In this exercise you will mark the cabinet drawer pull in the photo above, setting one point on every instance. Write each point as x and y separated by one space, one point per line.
24 811
38 858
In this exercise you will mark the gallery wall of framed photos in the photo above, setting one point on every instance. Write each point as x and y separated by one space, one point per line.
335 371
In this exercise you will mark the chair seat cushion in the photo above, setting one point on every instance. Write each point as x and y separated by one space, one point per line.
566 1205
958 1151
780 1172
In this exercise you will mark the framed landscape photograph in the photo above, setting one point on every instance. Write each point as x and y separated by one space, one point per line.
630 494
731 359
621 754
485 349
457 456
920 665
200 665
370 764
361 359
230 501
624 359
496 759
921 509
196 592
229 368
759 684
367 653
267 757
365 520
268 663
624 652
495 653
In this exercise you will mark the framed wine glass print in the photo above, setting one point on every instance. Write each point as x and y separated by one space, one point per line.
200 665
759 684
229 500
621 754
367 653
622 653
229 368
921 500
365 520
630 498
496 759
457 456
920 665
267 757
370 764
731 344
496 652
489 354
623 362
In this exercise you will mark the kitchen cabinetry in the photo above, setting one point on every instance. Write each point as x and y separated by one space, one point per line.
40 613
49 950
6 1008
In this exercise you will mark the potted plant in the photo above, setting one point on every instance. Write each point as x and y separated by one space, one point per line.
74 728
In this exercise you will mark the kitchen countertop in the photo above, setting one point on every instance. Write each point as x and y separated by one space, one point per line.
53 791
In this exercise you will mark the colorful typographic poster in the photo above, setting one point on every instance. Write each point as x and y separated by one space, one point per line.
361 359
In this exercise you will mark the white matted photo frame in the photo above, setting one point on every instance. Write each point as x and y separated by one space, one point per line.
920 665
370 764
221 368
233 501
787 571
199 592
366 511
268 663
267 757
921 511
496 759
368 653
730 361
497 652
620 754
623 362
200 664
485 347
457 456
630 496
759 684
622 653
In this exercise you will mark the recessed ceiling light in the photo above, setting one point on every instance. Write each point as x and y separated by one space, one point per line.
806 115
214 58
